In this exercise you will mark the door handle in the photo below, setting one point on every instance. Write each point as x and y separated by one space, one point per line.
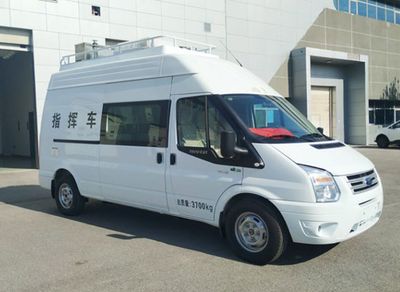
159 158
172 159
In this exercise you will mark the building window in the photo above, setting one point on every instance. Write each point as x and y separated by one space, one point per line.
381 14
384 112
390 16
344 5
372 11
114 42
96 11
362 9
353 7
207 27
384 10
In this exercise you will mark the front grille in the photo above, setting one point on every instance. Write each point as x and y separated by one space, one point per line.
362 181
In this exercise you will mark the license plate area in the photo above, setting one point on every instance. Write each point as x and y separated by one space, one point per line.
370 212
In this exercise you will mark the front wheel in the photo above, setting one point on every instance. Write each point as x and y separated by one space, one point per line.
68 199
256 232
382 141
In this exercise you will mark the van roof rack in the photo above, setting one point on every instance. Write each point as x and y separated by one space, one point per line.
157 41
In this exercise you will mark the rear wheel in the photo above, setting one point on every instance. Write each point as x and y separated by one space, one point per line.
68 199
382 141
256 232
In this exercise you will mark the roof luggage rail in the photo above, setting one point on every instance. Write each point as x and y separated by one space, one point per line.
108 51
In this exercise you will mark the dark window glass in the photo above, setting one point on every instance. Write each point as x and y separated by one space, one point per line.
362 9
344 5
381 3
135 124
396 126
389 117
390 16
372 11
216 124
381 14
191 122
379 117
398 18
397 115
371 117
353 7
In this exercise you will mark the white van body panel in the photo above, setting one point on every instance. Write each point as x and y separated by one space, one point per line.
224 77
192 188
81 160
338 161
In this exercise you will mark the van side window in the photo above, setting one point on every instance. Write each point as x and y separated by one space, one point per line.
135 124
193 119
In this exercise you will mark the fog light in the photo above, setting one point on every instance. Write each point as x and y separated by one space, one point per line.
318 229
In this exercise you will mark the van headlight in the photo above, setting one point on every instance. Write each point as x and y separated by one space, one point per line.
324 185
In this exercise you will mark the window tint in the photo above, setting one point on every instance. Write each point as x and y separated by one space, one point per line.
192 124
191 116
135 124
216 124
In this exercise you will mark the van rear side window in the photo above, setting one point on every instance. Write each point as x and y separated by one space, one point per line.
135 123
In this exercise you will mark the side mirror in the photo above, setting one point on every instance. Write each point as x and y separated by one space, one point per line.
321 130
227 144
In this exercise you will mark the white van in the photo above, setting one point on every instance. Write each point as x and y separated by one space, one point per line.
174 129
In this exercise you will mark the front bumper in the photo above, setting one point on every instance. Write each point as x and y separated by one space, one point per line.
326 223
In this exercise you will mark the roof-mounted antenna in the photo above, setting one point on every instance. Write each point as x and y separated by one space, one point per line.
229 51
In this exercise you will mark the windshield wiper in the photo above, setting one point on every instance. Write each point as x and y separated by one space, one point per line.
283 136
313 136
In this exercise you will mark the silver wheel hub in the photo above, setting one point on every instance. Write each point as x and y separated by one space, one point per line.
251 232
65 195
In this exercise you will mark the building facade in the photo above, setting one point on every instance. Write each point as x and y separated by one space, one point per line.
329 57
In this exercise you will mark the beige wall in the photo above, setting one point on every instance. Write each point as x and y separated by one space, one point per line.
344 32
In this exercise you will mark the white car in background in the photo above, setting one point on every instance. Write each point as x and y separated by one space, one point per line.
388 135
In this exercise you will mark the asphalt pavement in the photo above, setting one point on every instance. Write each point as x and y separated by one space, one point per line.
116 248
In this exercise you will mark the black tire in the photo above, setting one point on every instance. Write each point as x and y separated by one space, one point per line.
275 234
68 198
382 141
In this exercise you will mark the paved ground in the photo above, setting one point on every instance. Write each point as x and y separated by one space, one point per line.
112 247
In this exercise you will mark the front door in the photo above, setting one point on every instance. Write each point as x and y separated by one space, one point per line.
197 174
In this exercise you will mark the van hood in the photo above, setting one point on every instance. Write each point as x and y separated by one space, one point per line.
333 156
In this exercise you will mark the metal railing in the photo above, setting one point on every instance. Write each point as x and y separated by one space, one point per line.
104 52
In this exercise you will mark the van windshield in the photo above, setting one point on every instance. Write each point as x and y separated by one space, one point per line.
273 119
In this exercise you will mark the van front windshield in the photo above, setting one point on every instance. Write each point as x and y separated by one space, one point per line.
272 119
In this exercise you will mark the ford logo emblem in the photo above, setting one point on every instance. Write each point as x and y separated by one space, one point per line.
369 181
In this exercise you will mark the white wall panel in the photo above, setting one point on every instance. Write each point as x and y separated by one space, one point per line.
123 17
4 17
62 24
28 20
46 39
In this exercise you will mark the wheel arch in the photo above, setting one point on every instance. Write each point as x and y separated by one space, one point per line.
381 135
57 174
232 200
